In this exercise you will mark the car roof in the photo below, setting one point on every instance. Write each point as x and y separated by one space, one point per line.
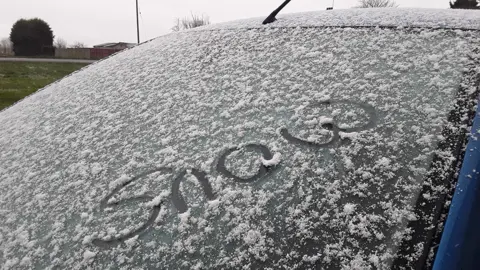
366 17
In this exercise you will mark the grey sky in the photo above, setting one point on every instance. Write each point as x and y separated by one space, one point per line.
99 21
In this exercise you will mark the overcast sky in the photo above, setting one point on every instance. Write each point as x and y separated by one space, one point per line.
98 21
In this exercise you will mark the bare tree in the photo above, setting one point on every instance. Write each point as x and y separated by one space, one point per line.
78 44
190 22
376 3
6 47
60 43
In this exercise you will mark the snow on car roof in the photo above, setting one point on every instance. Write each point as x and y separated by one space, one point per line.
284 148
367 17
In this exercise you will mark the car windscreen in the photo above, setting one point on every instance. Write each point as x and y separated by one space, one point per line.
280 148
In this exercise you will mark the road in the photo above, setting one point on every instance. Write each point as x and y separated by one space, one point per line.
46 60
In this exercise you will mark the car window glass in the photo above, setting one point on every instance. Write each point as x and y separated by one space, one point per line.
281 147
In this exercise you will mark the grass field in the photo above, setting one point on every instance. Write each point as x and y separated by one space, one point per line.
20 79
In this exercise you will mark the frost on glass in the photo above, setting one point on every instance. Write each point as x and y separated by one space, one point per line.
283 148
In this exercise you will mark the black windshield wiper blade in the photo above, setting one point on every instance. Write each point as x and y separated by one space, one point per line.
271 18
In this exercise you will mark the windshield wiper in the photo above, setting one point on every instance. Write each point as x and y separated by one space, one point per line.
271 18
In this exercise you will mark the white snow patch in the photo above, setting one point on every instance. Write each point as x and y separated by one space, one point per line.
273 161
349 208
158 199
121 180
88 255
251 237
96 168
383 162
325 120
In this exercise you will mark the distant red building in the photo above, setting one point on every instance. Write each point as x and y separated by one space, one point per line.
115 45
103 50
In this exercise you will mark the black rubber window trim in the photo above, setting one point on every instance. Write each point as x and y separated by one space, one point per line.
426 231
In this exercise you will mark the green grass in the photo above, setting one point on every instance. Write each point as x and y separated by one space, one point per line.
20 79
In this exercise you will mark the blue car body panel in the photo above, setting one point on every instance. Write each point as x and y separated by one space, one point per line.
460 243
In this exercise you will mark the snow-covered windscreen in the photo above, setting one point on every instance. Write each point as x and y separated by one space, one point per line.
281 148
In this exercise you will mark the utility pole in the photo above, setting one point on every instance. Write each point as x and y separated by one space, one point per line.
138 29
